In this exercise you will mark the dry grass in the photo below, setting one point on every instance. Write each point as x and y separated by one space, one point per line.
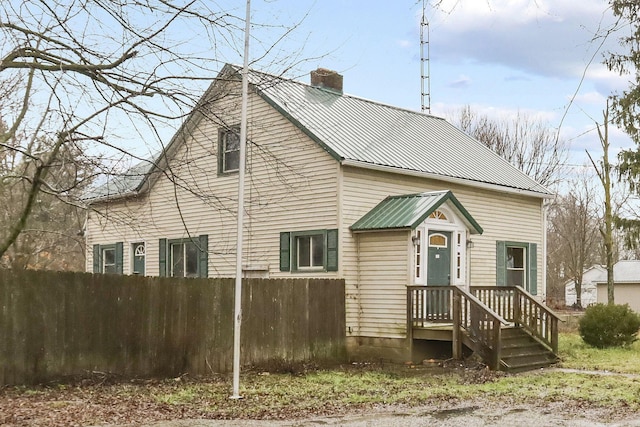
295 393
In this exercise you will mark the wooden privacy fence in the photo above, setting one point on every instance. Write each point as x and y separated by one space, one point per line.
59 324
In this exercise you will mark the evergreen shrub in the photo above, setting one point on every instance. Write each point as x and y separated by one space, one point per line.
609 325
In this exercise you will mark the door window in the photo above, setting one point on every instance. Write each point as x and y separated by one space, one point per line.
438 241
417 242
139 253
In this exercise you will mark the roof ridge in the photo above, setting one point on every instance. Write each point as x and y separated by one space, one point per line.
362 132
338 94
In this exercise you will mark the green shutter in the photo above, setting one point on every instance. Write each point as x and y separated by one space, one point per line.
533 269
501 263
96 259
162 252
285 251
203 262
332 250
119 258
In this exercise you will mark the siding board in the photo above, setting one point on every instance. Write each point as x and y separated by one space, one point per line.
294 185
518 218
290 186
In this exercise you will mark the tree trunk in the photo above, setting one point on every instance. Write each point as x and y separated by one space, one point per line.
606 229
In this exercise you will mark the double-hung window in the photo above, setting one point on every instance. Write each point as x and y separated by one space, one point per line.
228 150
184 257
108 259
314 250
309 251
516 265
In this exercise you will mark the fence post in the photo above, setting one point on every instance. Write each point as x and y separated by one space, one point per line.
457 311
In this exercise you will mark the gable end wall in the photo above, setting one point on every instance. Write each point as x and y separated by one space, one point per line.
291 185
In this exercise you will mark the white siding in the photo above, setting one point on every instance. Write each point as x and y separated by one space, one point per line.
291 185
380 298
502 217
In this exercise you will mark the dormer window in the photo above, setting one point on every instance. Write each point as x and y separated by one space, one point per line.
228 150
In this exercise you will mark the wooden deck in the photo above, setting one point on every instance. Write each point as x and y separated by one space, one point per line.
505 325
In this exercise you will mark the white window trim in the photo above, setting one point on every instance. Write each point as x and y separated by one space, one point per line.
524 269
436 233
418 256
134 253
224 151
183 243
137 246
321 235
103 266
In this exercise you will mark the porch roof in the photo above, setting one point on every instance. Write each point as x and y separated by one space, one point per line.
409 211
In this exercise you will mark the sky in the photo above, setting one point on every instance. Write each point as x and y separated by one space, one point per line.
501 57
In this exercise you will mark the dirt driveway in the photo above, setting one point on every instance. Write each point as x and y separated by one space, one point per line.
125 404
469 414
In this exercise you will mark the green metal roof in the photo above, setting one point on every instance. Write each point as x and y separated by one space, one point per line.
409 211
365 132
361 132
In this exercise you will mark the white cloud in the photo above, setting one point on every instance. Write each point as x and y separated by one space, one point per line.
543 37
477 13
499 114
605 81
592 98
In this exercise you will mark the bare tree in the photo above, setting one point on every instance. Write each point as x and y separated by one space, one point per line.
527 143
51 236
100 78
604 169
574 239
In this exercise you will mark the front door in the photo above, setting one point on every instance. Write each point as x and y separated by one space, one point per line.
139 254
439 258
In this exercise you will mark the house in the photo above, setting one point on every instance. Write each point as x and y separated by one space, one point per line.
626 282
626 276
588 291
336 186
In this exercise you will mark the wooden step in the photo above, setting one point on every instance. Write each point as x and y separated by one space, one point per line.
522 352
528 362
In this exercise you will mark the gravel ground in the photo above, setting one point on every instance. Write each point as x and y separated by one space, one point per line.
474 414
122 405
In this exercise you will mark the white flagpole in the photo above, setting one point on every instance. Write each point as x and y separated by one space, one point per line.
241 170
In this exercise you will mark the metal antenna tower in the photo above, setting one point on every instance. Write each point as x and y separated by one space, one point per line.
424 62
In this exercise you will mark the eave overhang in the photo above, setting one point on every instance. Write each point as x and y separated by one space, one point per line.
546 194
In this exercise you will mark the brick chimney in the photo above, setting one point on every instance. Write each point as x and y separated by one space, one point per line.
327 79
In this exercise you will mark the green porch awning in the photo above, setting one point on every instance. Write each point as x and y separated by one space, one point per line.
409 211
